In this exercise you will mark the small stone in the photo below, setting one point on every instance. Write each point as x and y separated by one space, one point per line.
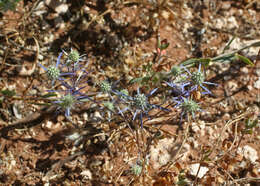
227 77
226 5
249 87
219 23
87 174
48 125
231 86
40 57
57 6
249 153
257 84
97 115
85 116
194 169
195 127
244 70
232 23
165 14
257 71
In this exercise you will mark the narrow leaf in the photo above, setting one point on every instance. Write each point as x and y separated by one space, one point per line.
245 60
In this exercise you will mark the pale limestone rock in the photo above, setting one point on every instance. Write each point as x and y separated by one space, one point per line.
194 169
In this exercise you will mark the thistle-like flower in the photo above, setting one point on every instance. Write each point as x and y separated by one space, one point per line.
72 96
176 70
140 105
105 87
53 72
69 101
73 57
66 103
189 106
197 80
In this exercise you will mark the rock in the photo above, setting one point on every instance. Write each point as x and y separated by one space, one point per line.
195 127
244 70
232 23
249 153
257 72
226 5
257 84
194 169
231 86
57 5
162 153
87 174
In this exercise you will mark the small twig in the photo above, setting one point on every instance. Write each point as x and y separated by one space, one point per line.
247 180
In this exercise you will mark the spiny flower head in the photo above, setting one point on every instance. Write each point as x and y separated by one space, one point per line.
73 56
176 70
67 101
105 87
53 73
140 101
139 105
109 105
197 78
189 106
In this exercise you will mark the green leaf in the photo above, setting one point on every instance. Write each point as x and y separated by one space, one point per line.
193 61
140 79
7 92
50 94
244 59
229 43
40 104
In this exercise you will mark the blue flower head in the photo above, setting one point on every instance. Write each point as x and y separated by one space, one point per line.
189 106
73 57
105 87
139 104
53 72
176 70
67 102
198 80
70 100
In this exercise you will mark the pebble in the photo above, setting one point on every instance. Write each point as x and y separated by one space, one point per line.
194 169
244 70
231 86
249 153
57 6
195 127
48 125
226 5
249 87
257 72
257 83
87 174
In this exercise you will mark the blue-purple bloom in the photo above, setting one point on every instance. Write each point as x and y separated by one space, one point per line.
72 97
73 57
197 80
53 72
139 104
189 106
